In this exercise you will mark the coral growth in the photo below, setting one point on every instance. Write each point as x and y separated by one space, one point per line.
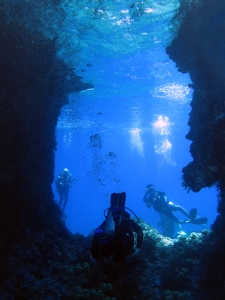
40 258
59 268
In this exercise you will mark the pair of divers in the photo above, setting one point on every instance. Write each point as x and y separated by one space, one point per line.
115 236
163 205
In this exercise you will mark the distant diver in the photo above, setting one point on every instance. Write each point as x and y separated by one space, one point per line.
168 227
63 184
163 205
115 236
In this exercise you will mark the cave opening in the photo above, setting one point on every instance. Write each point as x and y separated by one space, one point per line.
126 132
94 87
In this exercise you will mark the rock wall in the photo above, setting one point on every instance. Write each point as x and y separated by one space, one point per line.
34 85
199 48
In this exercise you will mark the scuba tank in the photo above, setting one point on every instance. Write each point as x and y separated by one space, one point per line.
113 218
115 213
109 224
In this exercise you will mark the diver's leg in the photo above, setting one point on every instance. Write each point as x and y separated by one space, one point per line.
119 255
61 198
171 216
65 199
181 209
95 248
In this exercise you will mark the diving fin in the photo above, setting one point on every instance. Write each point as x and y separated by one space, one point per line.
117 202
199 221
193 213
195 219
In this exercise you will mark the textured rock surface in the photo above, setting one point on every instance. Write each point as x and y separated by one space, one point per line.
39 258
58 268
34 86
199 49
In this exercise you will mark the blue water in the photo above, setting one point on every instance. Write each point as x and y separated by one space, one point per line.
138 112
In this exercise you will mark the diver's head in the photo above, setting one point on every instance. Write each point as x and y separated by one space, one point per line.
65 173
153 193
150 187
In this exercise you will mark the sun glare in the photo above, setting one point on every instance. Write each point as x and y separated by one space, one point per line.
136 141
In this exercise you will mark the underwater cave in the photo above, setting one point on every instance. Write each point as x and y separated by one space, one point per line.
123 94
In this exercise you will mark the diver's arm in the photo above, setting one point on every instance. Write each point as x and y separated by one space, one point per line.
71 181
147 200
145 197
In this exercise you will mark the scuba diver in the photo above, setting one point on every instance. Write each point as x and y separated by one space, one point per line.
168 227
115 236
162 204
63 183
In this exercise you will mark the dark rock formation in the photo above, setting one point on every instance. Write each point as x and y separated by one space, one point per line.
34 85
39 258
199 48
